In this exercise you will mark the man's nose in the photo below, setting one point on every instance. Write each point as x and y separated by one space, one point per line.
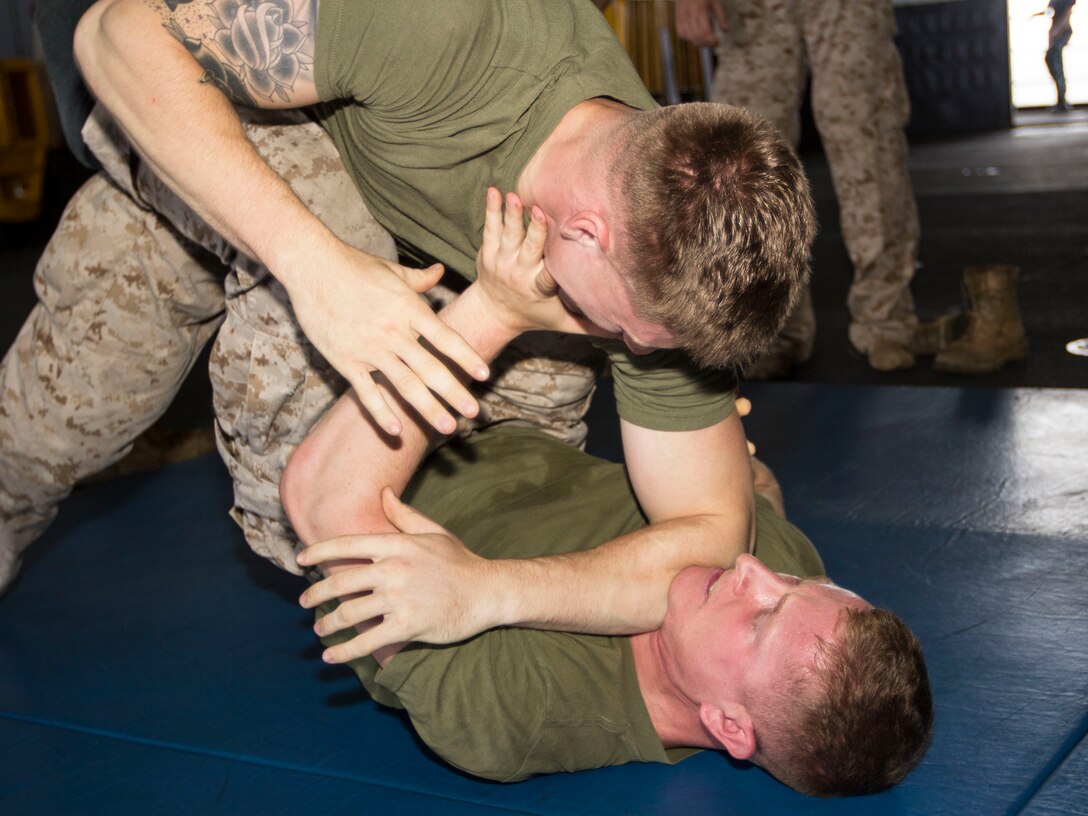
753 576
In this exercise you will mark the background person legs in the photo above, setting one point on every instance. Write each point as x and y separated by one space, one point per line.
1055 63
860 105
762 67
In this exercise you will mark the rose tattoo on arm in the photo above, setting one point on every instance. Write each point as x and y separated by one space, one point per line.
252 50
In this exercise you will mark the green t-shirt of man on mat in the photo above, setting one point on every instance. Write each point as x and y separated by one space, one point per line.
511 703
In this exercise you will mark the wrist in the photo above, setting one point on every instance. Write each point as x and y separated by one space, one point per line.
498 591
474 317
302 246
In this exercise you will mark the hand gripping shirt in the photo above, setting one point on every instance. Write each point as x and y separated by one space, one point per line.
429 103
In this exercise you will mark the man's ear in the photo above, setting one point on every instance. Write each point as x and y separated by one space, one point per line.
732 727
588 228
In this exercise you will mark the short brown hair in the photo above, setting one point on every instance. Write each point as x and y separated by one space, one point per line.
718 224
869 721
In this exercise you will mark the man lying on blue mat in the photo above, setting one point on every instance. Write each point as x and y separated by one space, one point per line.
795 674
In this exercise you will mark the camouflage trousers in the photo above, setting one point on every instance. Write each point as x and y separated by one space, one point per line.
133 285
860 105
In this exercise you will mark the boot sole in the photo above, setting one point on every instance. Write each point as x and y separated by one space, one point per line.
1019 352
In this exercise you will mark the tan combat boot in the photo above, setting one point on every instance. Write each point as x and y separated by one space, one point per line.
995 333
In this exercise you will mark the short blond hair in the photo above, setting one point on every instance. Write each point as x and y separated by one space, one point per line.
865 722
717 224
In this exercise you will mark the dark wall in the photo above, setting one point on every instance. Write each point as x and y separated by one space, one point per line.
956 61
15 36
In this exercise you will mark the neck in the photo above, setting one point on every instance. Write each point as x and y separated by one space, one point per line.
555 177
675 715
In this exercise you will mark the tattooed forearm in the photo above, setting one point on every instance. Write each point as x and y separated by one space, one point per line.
255 51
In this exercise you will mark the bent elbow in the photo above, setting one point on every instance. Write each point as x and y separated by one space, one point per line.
88 40
102 34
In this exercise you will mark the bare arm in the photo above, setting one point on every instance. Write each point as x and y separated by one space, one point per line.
695 488
162 71
169 72
332 484
336 481
429 588
343 479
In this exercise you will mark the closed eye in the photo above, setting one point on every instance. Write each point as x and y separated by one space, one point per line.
766 613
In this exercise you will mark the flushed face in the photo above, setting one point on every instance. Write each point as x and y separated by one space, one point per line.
731 635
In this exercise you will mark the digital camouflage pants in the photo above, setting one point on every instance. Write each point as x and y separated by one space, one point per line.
133 285
860 105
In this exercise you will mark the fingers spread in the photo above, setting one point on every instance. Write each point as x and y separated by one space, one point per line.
350 613
406 381
513 227
493 218
440 380
452 345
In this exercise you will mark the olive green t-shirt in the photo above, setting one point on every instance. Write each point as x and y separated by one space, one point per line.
510 703
429 103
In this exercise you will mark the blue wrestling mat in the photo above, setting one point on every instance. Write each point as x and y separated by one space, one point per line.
149 664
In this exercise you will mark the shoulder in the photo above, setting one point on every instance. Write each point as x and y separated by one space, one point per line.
512 703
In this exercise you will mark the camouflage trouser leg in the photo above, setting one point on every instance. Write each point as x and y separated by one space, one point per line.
762 65
762 68
860 105
270 385
125 307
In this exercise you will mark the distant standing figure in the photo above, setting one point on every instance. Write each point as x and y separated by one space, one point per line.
1060 33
